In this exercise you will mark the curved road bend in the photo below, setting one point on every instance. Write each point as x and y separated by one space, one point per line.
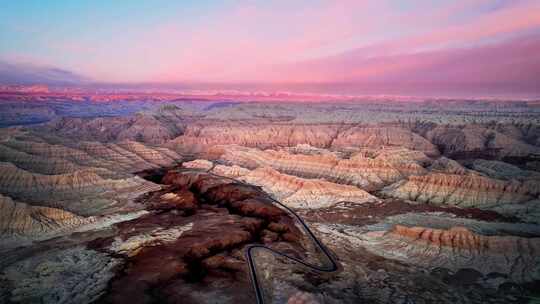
334 266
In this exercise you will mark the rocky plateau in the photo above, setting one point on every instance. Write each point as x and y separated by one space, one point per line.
139 198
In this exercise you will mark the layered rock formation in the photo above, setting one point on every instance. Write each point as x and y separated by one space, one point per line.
472 141
59 185
201 164
377 137
36 163
311 150
196 241
365 172
460 190
197 138
383 268
527 132
69 191
298 192
22 220
141 127
502 170
376 110
443 229
450 166
459 248
125 156
13 113
230 171
131 156
182 252
55 151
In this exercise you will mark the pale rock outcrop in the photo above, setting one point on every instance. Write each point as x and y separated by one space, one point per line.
459 190
309 150
230 171
69 191
407 162
86 178
21 220
198 138
459 248
139 127
400 155
299 192
130 156
201 164
155 156
360 171
153 237
380 136
72 275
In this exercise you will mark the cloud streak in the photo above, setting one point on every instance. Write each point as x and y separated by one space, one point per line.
11 73
515 60
289 41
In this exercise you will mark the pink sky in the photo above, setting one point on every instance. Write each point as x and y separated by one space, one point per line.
487 41
356 32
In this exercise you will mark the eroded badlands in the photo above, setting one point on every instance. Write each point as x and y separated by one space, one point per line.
426 202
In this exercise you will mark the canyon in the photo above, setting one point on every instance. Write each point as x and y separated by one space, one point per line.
146 198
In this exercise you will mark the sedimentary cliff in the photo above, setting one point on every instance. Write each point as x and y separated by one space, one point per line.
230 171
141 127
21 220
366 172
293 191
501 170
125 156
424 202
473 140
57 184
197 138
299 192
450 166
69 191
460 190
380 136
37 163
305 193
459 248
